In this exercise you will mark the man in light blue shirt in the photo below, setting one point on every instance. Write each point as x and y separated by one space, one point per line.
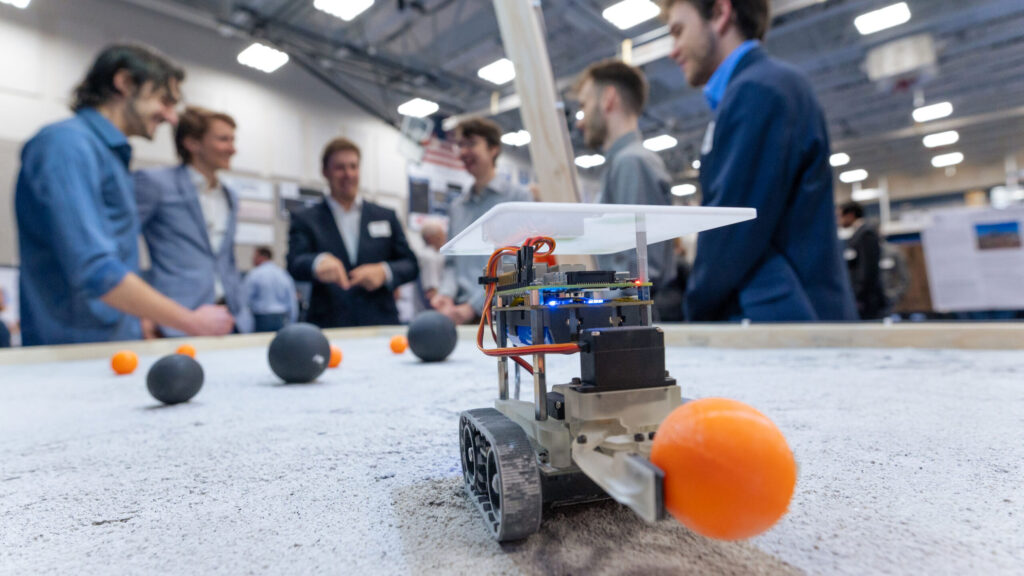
461 297
270 293
77 224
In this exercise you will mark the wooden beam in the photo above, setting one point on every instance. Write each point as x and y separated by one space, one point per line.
542 113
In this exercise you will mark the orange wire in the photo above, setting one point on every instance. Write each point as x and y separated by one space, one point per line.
516 352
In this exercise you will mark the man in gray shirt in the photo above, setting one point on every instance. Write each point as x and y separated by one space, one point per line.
460 296
612 95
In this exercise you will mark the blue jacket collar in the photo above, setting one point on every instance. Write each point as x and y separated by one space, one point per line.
714 91
105 129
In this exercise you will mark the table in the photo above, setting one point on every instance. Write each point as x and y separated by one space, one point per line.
910 460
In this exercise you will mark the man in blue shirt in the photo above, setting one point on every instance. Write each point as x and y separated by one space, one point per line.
767 148
77 223
269 293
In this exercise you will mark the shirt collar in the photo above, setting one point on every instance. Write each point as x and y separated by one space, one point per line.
620 143
200 181
110 134
495 186
337 208
714 91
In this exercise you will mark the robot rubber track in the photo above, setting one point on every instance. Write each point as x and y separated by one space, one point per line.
500 473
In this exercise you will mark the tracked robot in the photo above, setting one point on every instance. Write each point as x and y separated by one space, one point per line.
590 438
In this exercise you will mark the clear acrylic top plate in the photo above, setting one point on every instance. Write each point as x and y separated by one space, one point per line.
587 228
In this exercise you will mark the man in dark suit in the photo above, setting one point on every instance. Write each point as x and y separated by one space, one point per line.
353 250
767 148
863 254
188 218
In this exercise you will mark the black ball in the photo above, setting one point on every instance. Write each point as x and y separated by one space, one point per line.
432 336
299 353
175 379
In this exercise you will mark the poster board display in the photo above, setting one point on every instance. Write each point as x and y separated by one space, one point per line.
975 259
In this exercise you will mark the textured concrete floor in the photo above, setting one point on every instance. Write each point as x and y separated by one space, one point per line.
910 463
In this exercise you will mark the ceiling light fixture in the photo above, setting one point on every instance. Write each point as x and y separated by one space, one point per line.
684 190
499 72
517 139
947 160
629 13
589 160
347 10
851 176
941 139
839 159
262 57
882 19
933 112
659 143
418 108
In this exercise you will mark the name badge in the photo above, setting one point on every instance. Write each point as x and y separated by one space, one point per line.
380 229
709 139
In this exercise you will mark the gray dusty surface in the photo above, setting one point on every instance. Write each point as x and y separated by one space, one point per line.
910 463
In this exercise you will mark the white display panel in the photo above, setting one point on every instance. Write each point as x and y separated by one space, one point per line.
587 228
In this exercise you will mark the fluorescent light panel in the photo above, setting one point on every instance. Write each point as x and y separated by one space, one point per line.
882 19
499 72
684 190
941 139
347 10
947 160
589 160
418 108
659 143
629 13
517 139
695 164
262 57
865 194
17 3
933 112
579 115
839 159
851 176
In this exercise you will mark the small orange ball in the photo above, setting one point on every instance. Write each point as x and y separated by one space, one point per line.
729 473
335 357
399 343
187 350
124 362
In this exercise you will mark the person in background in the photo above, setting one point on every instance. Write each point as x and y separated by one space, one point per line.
5 333
766 148
430 259
189 217
270 293
352 250
863 256
612 95
461 297
78 226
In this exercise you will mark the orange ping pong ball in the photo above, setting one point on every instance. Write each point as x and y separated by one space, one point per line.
124 362
399 344
729 473
187 350
335 357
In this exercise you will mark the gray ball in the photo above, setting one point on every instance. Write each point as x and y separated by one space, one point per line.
432 336
174 379
299 353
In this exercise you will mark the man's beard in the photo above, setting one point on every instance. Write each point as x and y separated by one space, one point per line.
596 132
133 121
